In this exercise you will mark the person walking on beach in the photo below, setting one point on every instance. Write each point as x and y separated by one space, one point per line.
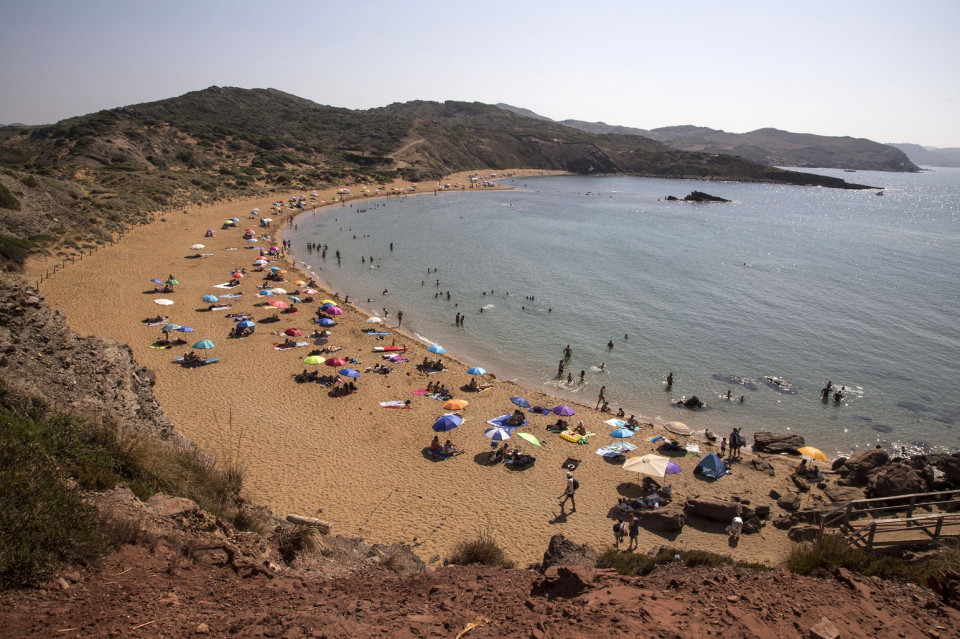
634 532
399 318
619 530
569 493
601 399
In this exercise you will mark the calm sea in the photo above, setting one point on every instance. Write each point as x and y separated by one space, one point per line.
802 284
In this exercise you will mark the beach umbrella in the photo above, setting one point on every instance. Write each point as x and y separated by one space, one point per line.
279 291
328 302
309 291
563 410
274 248
204 343
653 465
274 268
672 469
622 433
497 434
326 321
374 320
238 275
521 402
266 292
210 298
252 239
530 438
171 282
678 428
813 453
349 372
436 348
210 231
259 262
335 361
197 247
234 219
476 370
246 323
293 332
456 404
278 304
313 359
294 298
447 422
334 310
156 281
170 327
185 329
163 302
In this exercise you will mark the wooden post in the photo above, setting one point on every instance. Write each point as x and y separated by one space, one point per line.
939 527
913 504
873 532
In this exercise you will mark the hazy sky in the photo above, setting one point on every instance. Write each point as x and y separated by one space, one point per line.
877 69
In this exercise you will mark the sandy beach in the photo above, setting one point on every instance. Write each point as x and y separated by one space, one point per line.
362 466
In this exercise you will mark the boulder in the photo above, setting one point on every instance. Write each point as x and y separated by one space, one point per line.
563 552
838 463
777 443
838 494
716 510
803 533
897 479
752 525
167 506
789 501
950 466
801 484
664 520
858 468
761 465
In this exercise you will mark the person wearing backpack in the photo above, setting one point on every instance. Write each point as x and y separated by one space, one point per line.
569 492
619 530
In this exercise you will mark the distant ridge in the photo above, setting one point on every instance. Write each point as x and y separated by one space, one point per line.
767 146
930 156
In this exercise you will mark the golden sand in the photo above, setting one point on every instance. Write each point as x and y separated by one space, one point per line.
359 465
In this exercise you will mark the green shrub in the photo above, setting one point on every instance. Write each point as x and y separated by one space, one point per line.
43 523
633 564
7 201
293 541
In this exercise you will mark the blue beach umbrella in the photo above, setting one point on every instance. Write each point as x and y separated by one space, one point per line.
156 281
210 298
246 324
294 298
274 268
476 370
436 348
170 327
235 219
497 434
447 422
622 433
326 321
267 292
349 372
204 343
185 329
521 402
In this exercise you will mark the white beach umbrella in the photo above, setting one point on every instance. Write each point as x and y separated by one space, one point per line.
374 320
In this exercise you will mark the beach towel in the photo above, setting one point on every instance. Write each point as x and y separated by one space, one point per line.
396 403
225 297
281 347
570 463
502 422
379 333
396 359
225 285
693 448
220 308
161 346
656 438
615 449
419 391
616 423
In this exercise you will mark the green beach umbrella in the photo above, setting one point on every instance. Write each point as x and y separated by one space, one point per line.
313 359
171 282
204 343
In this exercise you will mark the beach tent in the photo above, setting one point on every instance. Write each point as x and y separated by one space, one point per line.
711 466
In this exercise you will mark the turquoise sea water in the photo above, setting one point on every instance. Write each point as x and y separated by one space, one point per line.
803 284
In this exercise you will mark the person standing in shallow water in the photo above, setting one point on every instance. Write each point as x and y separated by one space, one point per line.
670 379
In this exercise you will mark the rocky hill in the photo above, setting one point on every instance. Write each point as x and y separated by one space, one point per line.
766 146
77 181
928 156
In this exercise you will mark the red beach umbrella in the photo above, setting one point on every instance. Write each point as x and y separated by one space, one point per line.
293 332
335 361
277 304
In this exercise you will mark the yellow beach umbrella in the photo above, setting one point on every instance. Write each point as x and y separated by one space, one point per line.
813 453
328 302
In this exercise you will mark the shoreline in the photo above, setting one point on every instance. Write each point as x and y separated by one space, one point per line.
360 464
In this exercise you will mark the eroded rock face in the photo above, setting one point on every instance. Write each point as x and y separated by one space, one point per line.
663 520
83 375
777 443
716 510
858 468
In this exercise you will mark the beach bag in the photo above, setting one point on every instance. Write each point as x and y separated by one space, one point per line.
576 484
